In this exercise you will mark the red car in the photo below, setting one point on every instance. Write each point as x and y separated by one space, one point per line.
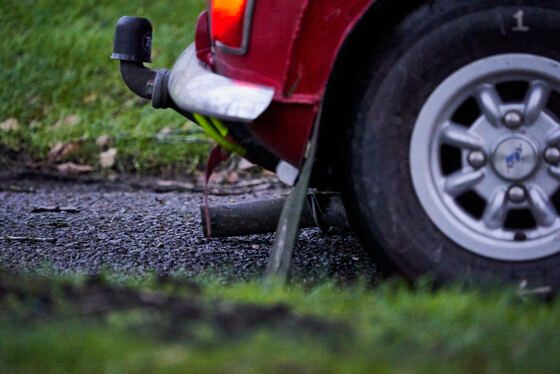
439 121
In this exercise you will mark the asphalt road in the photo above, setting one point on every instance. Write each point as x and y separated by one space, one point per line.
126 226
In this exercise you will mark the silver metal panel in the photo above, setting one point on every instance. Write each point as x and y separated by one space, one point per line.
195 88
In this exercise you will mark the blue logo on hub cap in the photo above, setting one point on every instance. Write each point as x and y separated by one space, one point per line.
515 157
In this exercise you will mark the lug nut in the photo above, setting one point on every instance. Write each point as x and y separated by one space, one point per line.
513 119
552 155
477 159
516 194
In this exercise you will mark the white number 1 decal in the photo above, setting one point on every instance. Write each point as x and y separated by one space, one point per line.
520 27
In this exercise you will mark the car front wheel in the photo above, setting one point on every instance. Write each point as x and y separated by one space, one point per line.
454 163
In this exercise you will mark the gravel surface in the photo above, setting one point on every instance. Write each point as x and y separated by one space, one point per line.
125 226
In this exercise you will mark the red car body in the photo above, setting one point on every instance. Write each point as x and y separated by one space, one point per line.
419 109
293 46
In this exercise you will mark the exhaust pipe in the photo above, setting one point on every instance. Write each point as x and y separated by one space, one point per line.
323 210
133 48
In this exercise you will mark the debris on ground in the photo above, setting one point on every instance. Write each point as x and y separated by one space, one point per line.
55 209
103 141
11 124
20 189
107 159
61 150
28 239
73 168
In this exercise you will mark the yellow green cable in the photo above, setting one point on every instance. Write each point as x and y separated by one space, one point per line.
222 129
218 131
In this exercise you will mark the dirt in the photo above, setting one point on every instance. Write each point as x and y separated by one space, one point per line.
131 225
172 315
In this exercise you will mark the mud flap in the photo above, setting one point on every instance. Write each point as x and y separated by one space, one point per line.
280 260
217 156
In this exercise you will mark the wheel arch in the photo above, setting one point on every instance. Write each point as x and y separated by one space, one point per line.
346 80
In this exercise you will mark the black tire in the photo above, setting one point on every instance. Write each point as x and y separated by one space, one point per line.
429 45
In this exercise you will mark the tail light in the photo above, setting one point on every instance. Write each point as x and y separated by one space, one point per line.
227 21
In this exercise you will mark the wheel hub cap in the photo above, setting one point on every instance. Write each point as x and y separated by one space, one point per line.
515 157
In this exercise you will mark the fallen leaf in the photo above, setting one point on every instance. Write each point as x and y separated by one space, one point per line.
60 150
103 141
232 177
90 98
129 103
244 164
165 131
163 186
54 153
73 168
19 189
107 158
11 124
166 183
189 125
70 120
253 182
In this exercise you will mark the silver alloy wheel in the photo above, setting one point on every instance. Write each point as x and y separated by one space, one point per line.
496 198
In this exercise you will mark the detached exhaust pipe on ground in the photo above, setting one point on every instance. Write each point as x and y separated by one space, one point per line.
321 210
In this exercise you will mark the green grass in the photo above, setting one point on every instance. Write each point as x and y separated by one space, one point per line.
390 328
60 85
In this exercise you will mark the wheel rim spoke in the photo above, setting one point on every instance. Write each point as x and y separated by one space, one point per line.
462 181
553 137
536 100
495 211
543 211
554 171
489 101
459 136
